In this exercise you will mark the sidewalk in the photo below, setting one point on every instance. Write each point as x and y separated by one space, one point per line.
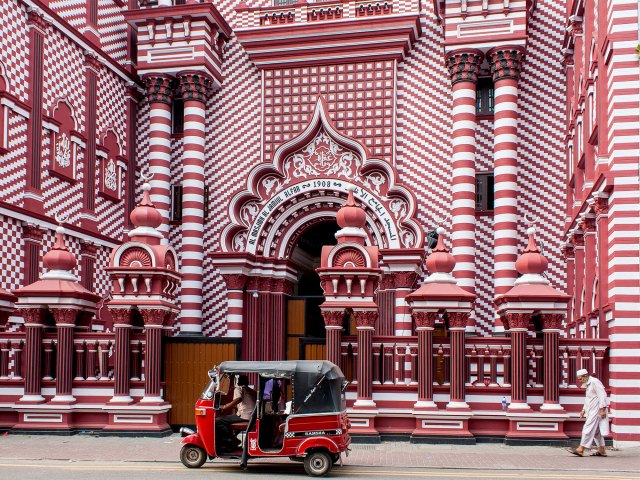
400 454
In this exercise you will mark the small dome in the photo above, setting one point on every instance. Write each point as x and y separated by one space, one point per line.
440 260
350 214
531 261
145 214
59 257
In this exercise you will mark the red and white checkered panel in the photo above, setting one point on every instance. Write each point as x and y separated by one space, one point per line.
484 309
101 282
175 230
111 115
13 167
113 30
11 260
14 47
541 158
73 11
484 146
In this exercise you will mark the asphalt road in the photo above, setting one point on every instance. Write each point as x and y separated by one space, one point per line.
71 470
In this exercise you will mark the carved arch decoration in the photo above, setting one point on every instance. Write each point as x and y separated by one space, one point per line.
65 143
134 252
308 179
111 165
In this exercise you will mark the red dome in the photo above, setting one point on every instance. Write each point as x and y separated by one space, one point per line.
350 214
59 257
440 260
145 214
531 261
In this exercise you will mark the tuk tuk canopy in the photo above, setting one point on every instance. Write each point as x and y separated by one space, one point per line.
317 384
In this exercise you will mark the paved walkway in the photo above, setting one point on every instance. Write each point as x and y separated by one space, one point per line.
400 454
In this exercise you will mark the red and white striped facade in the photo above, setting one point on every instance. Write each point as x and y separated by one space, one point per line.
389 89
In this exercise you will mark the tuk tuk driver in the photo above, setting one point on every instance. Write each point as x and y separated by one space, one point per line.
244 401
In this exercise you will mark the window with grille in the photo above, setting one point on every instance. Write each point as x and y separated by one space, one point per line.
283 3
176 203
484 192
484 96
177 119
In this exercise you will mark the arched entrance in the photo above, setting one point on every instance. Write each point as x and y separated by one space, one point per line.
304 324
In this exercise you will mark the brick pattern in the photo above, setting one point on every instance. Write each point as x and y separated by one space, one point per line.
113 30
11 261
14 47
101 283
13 168
73 11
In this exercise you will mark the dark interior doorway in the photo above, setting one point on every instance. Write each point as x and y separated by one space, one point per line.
305 321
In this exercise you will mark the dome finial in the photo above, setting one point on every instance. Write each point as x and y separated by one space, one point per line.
59 261
531 262
440 261
145 216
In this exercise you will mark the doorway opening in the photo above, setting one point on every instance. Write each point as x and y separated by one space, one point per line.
305 325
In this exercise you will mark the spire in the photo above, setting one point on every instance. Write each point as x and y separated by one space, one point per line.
440 262
59 261
351 218
531 264
146 218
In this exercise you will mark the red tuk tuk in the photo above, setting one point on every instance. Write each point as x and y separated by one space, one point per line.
300 413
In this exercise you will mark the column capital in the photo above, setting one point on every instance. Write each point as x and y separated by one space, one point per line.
121 316
424 320
601 205
568 251
159 87
457 320
88 249
92 62
194 86
33 317
516 321
552 321
65 317
506 62
588 224
333 318
464 65
578 238
365 319
36 19
32 233
153 317
234 281
405 279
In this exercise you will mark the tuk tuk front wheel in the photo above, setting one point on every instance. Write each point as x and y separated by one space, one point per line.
192 456
317 464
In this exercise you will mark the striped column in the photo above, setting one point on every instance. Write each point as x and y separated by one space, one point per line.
404 282
65 323
505 66
122 365
588 226
518 327
425 323
333 326
457 322
235 303
463 69
365 325
551 325
159 96
194 87
153 323
33 318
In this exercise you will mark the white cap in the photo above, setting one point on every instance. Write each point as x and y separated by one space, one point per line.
582 371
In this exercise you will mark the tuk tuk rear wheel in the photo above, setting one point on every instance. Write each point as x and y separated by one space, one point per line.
317 464
192 456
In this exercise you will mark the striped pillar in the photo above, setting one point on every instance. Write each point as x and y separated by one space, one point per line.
588 226
153 323
518 327
333 325
235 303
457 325
551 325
194 87
425 323
365 325
463 69
65 323
33 318
122 365
505 66
404 282
159 96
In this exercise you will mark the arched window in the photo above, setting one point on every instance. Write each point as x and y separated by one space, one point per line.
111 164
64 140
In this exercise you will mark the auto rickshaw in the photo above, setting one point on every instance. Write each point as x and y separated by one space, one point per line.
300 413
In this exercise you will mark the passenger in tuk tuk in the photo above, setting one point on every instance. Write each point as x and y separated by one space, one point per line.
244 402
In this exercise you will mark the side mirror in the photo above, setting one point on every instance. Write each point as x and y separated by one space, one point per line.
216 400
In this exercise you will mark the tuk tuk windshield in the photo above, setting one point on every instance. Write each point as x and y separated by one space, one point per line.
209 390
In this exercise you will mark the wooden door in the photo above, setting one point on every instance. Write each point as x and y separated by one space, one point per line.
301 345
186 367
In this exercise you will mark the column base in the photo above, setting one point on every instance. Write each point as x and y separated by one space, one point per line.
32 399
519 408
121 400
440 424
552 408
458 407
424 406
64 399
364 403
362 421
153 401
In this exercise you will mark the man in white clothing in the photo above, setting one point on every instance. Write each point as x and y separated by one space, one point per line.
595 410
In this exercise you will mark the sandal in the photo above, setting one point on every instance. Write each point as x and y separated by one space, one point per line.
598 454
575 452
